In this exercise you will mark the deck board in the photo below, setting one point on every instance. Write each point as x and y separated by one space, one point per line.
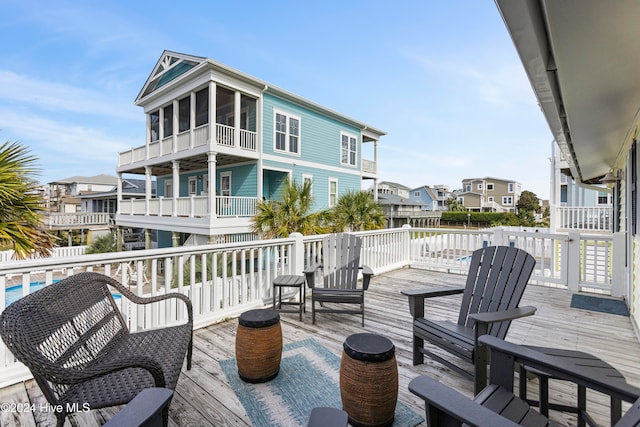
204 397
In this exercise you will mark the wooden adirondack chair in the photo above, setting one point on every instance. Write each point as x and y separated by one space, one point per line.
340 267
497 406
495 284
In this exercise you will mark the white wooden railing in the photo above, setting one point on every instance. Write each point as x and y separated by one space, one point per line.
369 166
58 252
584 218
192 206
76 219
200 136
224 280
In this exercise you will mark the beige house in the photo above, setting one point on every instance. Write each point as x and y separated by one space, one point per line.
490 194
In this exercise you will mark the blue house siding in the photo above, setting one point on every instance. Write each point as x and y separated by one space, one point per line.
319 135
320 181
244 180
424 198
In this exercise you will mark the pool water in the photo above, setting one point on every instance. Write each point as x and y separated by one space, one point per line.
14 293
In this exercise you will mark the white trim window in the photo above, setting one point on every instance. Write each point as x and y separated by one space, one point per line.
225 184
308 178
286 132
193 185
333 192
348 149
479 187
168 188
490 199
507 200
511 187
490 186
467 188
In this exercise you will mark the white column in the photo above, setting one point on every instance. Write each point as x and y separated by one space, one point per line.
119 192
147 189
175 185
192 118
213 131
211 170
236 120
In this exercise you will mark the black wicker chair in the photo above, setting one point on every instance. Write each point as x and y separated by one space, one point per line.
78 347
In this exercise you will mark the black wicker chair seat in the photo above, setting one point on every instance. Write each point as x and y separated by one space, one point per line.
75 341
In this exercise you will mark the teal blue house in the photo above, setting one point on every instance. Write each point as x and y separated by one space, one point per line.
218 140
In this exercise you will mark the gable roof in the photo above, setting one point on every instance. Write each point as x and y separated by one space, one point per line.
173 67
488 178
392 199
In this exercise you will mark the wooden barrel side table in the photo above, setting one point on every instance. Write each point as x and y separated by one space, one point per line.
258 345
369 380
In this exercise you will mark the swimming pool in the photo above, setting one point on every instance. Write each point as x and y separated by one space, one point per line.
14 293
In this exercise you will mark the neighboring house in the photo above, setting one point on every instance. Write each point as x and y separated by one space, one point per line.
219 140
594 120
400 210
388 187
577 206
431 198
63 193
490 194
107 201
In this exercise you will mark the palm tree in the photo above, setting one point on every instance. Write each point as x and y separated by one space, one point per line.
357 211
21 205
291 214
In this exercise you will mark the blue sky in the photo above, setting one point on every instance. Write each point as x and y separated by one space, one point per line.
442 78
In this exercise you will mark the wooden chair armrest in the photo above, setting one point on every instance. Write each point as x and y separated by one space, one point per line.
144 410
310 274
504 353
502 316
446 406
367 274
417 297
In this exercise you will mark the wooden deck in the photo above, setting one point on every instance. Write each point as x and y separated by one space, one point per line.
204 397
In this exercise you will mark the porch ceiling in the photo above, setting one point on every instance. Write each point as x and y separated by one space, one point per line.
582 58
187 164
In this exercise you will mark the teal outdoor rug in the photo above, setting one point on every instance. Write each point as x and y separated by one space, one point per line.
309 377
603 305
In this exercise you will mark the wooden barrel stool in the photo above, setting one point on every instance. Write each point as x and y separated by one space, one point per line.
258 345
369 380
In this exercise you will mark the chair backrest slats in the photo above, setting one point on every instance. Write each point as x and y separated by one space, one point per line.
497 278
341 260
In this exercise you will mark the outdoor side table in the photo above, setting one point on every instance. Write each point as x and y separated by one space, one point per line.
369 380
289 281
598 368
258 345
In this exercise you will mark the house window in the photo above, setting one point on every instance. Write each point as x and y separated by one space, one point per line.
193 185
333 192
184 114
467 187
225 184
479 187
309 179
507 200
490 199
604 198
511 187
416 193
154 119
167 121
287 133
490 187
202 107
348 146
168 189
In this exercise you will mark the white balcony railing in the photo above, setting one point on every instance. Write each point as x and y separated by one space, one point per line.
223 280
200 136
193 206
584 218
79 219
369 166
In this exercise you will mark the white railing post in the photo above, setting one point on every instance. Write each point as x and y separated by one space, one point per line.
500 237
572 263
297 254
618 266
406 236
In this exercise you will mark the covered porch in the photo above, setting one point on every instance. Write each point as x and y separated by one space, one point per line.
204 395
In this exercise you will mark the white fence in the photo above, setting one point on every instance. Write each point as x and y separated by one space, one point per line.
223 280
584 218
